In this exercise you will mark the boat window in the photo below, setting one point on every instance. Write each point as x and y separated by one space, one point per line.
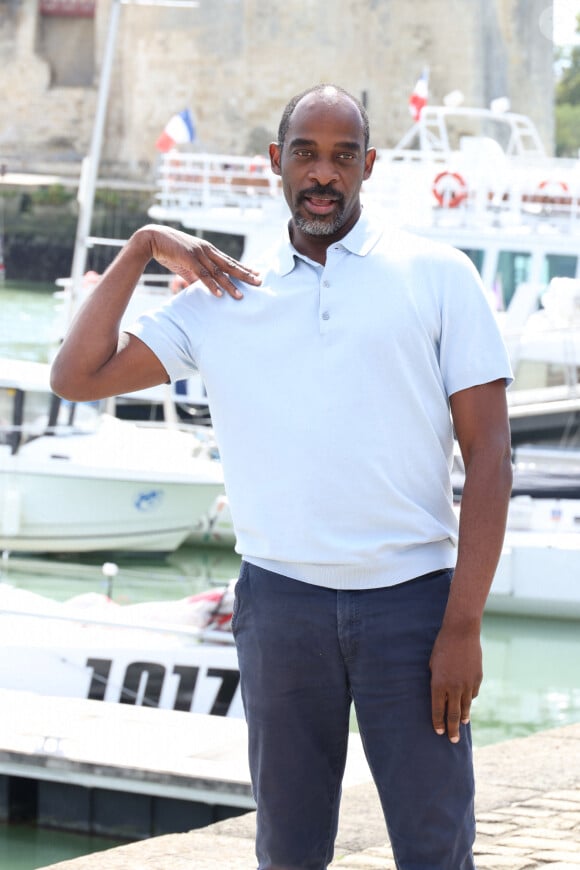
22 415
84 416
476 257
6 414
559 266
27 414
533 374
513 269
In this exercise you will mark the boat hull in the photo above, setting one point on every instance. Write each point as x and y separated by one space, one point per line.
166 669
538 575
50 513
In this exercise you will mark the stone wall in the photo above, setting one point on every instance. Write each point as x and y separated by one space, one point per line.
235 62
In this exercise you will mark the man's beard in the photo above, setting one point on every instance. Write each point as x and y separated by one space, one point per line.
313 226
318 227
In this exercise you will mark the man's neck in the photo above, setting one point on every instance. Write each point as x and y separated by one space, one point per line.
315 247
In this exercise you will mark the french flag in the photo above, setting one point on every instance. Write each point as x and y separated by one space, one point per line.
418 99
178 130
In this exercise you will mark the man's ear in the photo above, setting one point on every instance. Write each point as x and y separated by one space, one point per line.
275 154
370 158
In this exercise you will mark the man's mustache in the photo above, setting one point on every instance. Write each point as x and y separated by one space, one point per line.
321 192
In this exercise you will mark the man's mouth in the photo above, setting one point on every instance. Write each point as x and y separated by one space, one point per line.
320 203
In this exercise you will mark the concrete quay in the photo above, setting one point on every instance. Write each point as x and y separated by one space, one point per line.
528 813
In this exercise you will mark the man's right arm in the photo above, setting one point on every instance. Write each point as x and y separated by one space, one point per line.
96 360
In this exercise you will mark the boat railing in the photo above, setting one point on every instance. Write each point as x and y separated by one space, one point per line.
478 182
84 620
440 128
215 180
153 282
461 168
15 437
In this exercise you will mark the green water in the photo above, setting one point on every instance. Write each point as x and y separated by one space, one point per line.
532 678
24 847
28 320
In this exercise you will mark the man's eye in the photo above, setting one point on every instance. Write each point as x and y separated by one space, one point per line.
346 156
302 152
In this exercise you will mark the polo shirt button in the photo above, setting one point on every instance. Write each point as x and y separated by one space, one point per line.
326 283
326 315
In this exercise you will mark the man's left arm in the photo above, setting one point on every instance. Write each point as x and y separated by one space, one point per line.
481 424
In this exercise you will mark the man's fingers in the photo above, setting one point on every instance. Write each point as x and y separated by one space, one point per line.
448 712
216 276
438 708
217 282
466 709
194 259
250 276
453 718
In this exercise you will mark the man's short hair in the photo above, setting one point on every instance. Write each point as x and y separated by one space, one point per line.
319 89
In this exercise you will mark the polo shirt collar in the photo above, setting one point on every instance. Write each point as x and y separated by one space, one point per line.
359 240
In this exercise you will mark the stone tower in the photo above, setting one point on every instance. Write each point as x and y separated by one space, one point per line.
234 63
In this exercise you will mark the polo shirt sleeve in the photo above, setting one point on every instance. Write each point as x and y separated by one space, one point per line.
172 332
472 349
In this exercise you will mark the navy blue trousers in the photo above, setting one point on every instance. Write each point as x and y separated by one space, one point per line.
306 653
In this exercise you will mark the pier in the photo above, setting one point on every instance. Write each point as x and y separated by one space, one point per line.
527 805
125 771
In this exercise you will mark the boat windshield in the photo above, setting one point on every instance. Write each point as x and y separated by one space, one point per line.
28 414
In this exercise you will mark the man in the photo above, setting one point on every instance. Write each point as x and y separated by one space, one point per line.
330 387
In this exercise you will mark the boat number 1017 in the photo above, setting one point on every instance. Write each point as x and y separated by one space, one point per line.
143 684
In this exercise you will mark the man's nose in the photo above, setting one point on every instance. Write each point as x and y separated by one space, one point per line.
323 171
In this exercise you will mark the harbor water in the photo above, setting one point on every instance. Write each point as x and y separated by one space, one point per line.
532 679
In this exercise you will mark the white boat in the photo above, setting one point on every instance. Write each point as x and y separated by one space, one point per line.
176 655
75 479
539 571
475 178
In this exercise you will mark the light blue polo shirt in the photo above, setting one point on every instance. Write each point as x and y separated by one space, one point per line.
329 392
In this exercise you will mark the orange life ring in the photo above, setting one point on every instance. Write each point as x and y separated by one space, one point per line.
453 190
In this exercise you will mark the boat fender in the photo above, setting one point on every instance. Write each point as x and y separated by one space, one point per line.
449 189
552 188
91 279
258 165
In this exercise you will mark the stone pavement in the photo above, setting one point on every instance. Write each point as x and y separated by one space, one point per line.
528 814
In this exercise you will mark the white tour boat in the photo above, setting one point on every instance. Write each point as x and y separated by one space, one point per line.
478 179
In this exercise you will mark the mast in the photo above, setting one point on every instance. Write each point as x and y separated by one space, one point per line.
90 164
